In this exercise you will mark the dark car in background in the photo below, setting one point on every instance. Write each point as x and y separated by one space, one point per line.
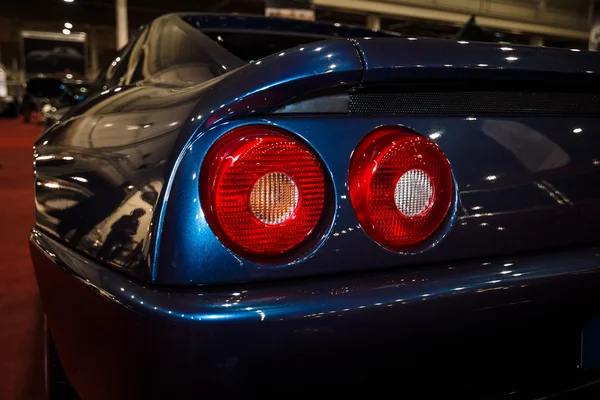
55 54
246 207
73 93
52 97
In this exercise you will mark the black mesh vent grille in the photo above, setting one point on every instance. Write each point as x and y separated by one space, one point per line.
472 102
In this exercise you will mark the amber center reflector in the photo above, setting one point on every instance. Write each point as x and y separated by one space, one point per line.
274 198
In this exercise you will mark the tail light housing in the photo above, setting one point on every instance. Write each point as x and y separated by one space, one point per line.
401 187
263 190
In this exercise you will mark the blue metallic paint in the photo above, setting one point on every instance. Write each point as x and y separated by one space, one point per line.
483 327
516 275
254 90
98 166
259 302
189 252
134 135
392 59
530 191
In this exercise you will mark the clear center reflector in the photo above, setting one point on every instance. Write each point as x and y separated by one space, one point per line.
274 198
413 193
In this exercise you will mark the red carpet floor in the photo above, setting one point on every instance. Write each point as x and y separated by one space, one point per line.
21 316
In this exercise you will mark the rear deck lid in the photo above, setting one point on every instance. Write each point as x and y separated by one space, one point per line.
411 58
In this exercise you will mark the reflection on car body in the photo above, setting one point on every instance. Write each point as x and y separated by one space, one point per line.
245 207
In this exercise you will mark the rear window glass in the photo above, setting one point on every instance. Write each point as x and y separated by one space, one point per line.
250 46
253 37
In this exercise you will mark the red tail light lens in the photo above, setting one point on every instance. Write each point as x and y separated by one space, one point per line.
400 186
265 191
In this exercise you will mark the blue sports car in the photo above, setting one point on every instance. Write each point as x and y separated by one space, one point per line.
255 208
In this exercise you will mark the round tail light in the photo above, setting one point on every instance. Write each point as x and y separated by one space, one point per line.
400 187
264 189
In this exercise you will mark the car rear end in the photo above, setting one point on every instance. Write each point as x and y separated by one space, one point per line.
379 216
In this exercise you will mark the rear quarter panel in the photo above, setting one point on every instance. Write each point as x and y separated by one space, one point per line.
523 184
119 151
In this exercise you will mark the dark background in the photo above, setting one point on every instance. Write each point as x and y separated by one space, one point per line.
297 4
53 64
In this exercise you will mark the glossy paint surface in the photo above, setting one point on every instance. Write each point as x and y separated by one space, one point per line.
509 324
95 169
291 300
118 151
412 59
523 184
168 52
500 298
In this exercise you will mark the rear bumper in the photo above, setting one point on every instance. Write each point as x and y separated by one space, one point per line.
476 329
